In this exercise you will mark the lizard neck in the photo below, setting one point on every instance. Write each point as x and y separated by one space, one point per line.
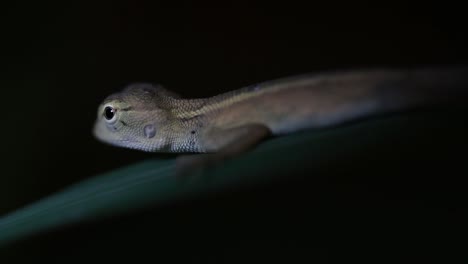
182 130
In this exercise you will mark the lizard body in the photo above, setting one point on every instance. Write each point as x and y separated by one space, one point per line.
151 118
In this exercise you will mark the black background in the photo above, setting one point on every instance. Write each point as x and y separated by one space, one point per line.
59 60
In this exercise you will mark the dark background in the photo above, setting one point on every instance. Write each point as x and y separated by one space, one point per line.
60 60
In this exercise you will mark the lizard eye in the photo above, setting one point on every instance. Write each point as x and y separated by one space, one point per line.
109 113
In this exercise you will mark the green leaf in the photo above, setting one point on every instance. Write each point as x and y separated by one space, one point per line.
152 183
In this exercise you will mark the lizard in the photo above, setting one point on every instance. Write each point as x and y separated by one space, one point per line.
148 117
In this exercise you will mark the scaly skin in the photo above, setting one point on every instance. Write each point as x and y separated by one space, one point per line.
150 118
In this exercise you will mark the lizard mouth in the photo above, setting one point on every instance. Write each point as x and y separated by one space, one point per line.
125 142
103 135
128 140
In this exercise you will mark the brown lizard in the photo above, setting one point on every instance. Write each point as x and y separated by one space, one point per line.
150 118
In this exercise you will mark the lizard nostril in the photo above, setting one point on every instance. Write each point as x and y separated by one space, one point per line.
149 131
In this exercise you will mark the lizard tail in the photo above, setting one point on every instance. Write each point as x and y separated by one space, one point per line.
361 94
425 87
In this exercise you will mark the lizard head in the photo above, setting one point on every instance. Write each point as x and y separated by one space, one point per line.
138 117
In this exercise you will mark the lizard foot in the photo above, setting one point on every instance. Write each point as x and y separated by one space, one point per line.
191 166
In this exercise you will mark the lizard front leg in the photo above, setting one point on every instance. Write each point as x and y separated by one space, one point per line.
227 144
